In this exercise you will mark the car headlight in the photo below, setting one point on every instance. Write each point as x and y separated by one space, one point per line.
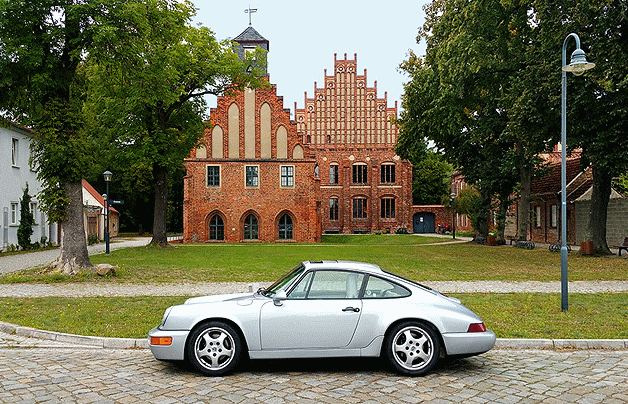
163 320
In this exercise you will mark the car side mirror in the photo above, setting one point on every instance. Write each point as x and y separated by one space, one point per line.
280 297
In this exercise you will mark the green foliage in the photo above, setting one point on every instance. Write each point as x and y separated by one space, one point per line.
621 184
431 179
25 229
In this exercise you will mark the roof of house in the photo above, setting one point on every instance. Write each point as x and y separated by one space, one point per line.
88 187
578 180
250 35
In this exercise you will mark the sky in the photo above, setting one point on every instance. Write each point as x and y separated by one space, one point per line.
304 35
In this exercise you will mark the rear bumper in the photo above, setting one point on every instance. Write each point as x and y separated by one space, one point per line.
469 343
173 352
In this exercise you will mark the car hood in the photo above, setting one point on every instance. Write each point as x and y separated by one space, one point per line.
219 298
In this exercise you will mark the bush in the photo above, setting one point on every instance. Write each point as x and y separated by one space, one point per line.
402 230
92 239
25 231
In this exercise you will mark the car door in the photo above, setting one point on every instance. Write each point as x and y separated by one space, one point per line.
321 312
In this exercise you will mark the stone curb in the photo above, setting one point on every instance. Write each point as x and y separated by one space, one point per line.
80 340
130 343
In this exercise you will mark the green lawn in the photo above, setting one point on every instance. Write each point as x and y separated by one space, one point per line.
407 255
508 315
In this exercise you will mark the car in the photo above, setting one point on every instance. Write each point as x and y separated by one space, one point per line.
322 309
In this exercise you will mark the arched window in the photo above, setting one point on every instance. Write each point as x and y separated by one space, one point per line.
251 230
216 228
285 227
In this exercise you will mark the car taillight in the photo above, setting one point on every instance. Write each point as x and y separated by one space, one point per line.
477 327
160 340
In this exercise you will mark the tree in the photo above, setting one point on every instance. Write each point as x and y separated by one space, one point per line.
25 230
41 47
147 86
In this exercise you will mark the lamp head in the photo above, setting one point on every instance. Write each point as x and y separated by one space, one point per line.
578 64
107 174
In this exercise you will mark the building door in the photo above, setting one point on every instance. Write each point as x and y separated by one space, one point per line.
424 222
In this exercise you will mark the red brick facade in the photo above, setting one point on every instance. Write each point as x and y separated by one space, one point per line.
253 180
365 186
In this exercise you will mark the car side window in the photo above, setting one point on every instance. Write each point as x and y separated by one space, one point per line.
329 285
300 291
378 288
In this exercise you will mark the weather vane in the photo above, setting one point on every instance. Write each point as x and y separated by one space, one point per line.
250 11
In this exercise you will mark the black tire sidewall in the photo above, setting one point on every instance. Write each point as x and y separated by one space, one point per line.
427 329
237 347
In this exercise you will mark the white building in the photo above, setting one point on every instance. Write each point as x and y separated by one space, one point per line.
15 173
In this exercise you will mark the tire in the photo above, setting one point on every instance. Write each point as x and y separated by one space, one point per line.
412 348
214 348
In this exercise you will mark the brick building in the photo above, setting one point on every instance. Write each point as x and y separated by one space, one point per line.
253 180
365 186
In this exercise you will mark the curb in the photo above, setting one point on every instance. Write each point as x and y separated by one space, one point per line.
130 343
80 340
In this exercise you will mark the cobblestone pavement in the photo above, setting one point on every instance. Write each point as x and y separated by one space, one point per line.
129 376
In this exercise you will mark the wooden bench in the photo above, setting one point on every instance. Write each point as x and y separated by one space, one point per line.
622 247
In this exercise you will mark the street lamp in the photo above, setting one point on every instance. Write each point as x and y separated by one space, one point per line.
577 66
107 174
452 197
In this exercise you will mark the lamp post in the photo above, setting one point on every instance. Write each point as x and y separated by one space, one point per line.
578 65
107 174
452 197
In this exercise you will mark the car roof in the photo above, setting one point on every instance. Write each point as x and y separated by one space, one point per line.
339 264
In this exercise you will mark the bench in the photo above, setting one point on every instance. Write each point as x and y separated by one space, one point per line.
622 247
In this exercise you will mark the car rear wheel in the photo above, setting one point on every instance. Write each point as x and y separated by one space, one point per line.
214 348
412 348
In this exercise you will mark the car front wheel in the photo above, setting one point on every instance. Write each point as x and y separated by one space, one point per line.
214 348
412 348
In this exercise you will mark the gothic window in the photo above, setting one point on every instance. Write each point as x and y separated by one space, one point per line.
216 228
251 230
388 208
333 209
388 174
333 174
359 208
285 227
359 173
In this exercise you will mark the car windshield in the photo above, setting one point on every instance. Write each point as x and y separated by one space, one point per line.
284 282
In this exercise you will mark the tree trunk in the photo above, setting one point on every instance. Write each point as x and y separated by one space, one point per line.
73 256
160 178
523 218
504 203
598 210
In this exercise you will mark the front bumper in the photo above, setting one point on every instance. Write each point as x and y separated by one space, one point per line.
173 352
469 343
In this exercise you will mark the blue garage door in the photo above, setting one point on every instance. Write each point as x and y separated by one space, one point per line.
424 222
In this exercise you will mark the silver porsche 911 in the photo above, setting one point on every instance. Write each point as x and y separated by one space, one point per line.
322 309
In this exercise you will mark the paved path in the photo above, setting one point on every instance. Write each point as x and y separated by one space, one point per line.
38 259
77 375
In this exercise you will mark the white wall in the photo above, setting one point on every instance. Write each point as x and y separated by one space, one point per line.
13 178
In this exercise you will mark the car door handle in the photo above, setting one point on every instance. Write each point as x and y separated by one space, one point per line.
353 309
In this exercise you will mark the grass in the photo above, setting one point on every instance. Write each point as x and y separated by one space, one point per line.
508 315
417 258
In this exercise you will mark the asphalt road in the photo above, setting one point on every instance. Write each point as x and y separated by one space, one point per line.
72 375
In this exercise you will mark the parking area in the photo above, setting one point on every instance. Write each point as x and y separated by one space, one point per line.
66 374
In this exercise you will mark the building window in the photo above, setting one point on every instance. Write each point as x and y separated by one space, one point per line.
14 152
537 216
14 209
359 208
216 228
287 176
359 173
213 176
33 210
553 216
388 174
285 227
251 231
333 174
388 208
252 176
333 209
